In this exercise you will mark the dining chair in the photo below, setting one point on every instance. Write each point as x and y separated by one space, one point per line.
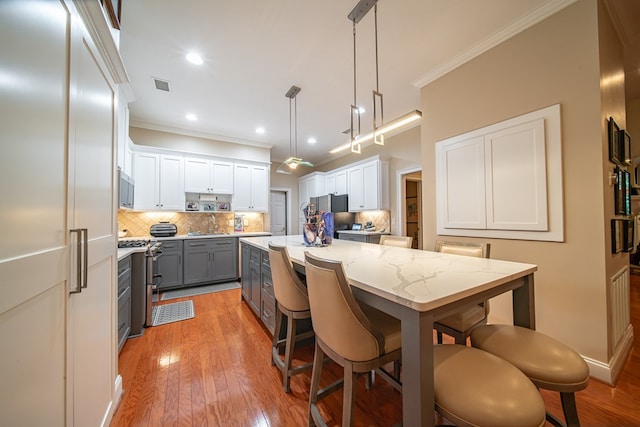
357 337
548 363
291 301
460 324
400 241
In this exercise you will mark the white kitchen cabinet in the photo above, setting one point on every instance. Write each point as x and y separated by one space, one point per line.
493 182
250 188
159 182
336 183
208 176
368 185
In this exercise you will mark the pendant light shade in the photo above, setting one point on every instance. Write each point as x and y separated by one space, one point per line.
292 163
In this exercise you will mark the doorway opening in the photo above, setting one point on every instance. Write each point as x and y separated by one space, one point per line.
278 224
410 205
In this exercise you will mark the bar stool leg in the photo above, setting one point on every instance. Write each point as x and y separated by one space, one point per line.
569 408
288 352
318 361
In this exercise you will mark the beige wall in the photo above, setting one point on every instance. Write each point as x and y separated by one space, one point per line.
555 61
197 145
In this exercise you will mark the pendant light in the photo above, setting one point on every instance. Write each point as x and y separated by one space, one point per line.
379 128
293 161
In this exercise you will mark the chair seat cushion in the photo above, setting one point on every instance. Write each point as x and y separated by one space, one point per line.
549 363
473 387
465 319
387 325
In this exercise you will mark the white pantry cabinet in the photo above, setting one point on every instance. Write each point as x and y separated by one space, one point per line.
208 176
159 182
250 188
368 185
58 348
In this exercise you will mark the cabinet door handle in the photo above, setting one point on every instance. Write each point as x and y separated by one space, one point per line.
82 251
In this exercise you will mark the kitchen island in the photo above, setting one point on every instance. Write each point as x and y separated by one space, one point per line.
418 287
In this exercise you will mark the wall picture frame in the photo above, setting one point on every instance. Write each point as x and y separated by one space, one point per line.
628 231
619 194
625 147
614 142
616 235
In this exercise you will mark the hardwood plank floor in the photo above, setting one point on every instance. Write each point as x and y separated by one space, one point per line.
215 370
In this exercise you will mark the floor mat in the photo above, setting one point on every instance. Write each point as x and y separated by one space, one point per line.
198 290
175 312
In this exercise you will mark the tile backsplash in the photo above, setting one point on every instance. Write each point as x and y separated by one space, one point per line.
381 219
138 224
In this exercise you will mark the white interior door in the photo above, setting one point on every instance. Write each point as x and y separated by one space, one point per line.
278 213
91 328
33 253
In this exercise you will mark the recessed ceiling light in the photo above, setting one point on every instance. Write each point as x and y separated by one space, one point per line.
311 140
191 117
194 58
260 130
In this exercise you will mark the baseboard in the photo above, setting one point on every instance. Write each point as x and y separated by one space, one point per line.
115 402
609 372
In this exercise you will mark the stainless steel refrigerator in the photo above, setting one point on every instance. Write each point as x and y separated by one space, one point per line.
338 205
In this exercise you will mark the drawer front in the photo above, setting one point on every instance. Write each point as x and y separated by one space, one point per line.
267 284
224 242
124 265
255 255
124 317
268 312
124 283
171 245
198 244
265 260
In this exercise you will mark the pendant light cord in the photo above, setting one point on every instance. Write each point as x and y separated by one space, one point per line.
354 62
375 14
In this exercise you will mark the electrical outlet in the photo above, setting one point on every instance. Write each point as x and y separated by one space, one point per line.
230 223
245 222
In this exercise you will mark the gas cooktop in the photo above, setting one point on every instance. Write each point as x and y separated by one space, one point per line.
132 243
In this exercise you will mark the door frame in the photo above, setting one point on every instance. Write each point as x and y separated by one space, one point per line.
401 192
287 191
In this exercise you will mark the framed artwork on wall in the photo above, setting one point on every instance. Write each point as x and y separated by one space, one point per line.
616 235
620 192
625 147
614 142
628 232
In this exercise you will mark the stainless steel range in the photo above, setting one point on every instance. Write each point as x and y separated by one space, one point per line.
142 293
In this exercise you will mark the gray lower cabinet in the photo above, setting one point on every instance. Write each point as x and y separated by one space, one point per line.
169 265
257 285
210 260
363 238
124 300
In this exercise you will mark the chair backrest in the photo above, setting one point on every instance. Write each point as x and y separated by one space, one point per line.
288 289
401 241
479 250
336 316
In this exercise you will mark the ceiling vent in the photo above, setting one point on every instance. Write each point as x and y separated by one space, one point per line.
162 85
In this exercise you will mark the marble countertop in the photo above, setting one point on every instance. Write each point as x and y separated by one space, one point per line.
199 236
422 280
125 252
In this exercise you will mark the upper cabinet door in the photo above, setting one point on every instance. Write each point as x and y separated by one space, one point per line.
172 195
250 188
259 188
221 177
147 181
461 187
197 176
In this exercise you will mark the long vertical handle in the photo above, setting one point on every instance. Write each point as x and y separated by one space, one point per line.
78 287
85 253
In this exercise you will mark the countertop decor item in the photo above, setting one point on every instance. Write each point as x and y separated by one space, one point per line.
318 228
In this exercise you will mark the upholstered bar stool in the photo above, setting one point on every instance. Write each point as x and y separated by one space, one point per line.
358 338
460 324
550 364
292 301
400 241
476 388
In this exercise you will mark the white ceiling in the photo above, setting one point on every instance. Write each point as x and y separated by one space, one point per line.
254 51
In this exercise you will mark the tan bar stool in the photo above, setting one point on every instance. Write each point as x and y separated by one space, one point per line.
292 301
547 362
476 388
400 241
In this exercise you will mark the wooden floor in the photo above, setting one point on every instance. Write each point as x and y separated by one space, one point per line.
215 370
